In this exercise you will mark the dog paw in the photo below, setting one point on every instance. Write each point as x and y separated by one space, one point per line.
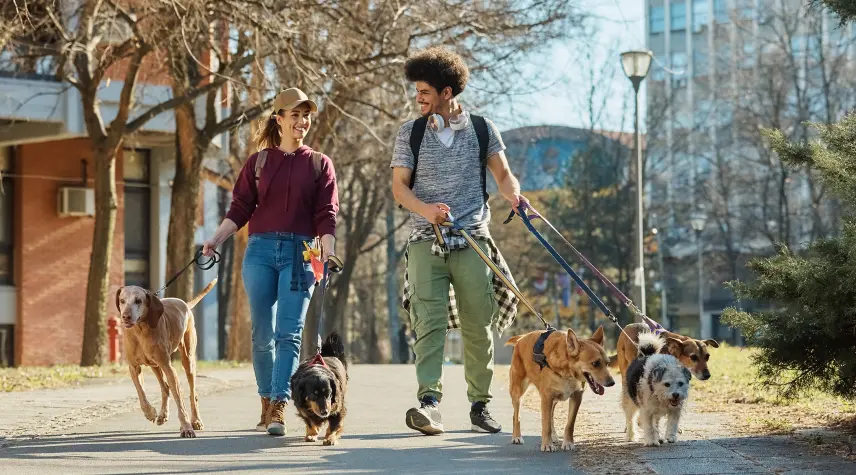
331 441
187 433
162 418
311 438
197 424
672 439
150 412
652 443
547 446
517 440
567 445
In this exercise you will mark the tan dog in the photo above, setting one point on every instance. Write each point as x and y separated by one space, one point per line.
154 330
693 354
571 363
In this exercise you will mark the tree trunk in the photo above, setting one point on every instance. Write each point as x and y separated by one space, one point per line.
392 290
98 282
184 207
240 330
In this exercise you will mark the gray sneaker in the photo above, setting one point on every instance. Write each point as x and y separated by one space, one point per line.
426 418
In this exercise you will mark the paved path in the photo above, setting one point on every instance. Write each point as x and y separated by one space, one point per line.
111 440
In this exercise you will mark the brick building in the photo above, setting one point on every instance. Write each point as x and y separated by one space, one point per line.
46 237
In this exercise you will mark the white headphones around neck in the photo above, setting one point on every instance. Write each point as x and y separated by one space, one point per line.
456 122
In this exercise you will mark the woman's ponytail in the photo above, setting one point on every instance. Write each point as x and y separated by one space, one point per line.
268 136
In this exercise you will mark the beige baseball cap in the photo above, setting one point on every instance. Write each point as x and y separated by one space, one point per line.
291 98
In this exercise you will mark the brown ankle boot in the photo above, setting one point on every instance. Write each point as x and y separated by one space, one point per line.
276 418
263 422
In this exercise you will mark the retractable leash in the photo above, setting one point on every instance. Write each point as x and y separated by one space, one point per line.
526 218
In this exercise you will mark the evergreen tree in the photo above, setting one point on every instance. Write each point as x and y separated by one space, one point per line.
808 339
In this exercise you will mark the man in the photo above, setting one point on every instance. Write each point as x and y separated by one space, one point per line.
449 166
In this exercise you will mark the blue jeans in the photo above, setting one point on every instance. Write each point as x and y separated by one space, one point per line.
275 274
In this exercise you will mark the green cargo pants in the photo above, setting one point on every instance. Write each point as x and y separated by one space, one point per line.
471 278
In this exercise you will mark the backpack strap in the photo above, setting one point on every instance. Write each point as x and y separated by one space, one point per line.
480 126
416 135
317 163
260 163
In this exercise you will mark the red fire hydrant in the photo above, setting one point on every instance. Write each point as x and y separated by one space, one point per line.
113 338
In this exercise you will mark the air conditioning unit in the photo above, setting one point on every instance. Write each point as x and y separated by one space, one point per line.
76 201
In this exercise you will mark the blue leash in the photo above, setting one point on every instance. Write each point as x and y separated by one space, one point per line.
597 301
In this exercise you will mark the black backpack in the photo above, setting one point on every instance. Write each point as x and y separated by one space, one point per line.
480 126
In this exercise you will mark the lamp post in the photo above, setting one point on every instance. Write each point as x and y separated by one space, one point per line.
636 64
698 219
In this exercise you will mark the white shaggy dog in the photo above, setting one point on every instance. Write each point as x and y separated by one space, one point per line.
656 385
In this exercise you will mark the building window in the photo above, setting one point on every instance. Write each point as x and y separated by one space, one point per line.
701 63
657 19
679 64
137 217
678 16
7 156
748 59
720 11
7 346
700 17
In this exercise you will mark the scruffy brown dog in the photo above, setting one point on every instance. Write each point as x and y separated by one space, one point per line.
571 363
693 354
320 386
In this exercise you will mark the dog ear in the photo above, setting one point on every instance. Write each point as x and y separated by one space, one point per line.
687 374
118 293
657 373
573 343
598 336
712 343
154 309
674 346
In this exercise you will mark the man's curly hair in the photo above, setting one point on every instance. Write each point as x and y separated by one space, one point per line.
438 67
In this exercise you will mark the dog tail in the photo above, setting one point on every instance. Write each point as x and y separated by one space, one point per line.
613 361
649 344
513 340
202 294
334 346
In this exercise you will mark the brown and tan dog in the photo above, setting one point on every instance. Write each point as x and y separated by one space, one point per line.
155 329
693 354
571 364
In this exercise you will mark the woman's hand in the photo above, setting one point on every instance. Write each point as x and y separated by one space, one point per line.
328 247
226 229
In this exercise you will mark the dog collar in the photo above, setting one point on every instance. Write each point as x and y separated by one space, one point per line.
538 350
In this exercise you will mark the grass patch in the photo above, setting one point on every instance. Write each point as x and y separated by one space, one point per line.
37 377
735 388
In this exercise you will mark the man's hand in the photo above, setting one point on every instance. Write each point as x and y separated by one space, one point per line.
328 247
435 213
517 200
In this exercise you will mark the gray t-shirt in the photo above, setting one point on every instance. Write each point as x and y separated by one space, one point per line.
450 175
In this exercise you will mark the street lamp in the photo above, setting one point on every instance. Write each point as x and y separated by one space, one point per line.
636 65
697 221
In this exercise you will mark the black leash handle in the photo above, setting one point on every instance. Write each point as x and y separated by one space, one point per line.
210 263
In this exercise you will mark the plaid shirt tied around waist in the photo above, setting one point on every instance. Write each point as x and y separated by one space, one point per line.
454 241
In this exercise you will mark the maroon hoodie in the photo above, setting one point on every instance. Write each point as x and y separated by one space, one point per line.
288 198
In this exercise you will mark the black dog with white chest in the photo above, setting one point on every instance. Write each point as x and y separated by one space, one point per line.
319 388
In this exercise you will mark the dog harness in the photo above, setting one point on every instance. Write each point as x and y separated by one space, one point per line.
319 360
538 350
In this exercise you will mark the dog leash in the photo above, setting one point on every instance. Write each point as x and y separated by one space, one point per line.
196 260
333 265
527 220
450 222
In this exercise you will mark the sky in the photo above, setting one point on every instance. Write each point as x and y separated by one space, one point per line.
560 94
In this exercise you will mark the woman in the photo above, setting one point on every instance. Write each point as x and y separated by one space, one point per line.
292 200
